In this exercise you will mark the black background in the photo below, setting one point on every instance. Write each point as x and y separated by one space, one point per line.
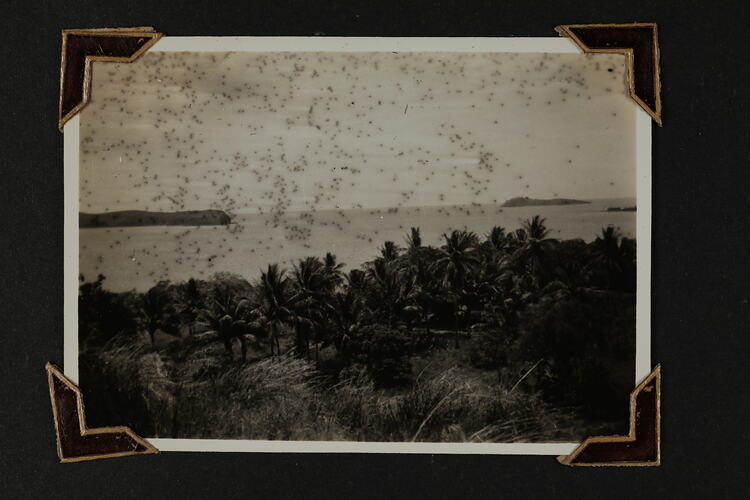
701 275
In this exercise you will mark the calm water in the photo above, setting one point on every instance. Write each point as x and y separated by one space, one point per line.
137 257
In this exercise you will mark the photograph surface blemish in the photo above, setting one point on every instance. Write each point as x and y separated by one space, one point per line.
359 246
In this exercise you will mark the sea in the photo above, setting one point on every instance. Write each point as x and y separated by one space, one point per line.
136 258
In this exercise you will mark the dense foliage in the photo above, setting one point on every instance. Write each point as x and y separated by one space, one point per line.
495 337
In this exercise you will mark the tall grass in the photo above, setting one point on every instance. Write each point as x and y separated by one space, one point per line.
205 396
447 408
136 383
267 399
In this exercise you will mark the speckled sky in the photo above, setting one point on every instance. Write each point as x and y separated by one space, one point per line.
277 132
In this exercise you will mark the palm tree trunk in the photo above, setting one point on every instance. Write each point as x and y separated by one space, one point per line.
455 325
243 344
275 340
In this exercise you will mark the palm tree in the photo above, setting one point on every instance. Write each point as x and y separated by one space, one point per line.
404 303
456 262
413 240
391 289
416 267
613 253
347 309
389 251
311 300
569 278
487 285
496 238
496 243
276 305
535 244
517 291
535 227
333 271
191 303
383 287
309 274
457 258
156 312
349 305
356 281
428 290
226 319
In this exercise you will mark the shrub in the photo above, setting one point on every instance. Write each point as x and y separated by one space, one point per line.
103 314
384 351
488 349
581 341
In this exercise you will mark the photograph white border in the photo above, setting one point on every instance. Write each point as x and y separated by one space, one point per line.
364 44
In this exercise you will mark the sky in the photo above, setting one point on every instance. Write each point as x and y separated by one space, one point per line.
280 132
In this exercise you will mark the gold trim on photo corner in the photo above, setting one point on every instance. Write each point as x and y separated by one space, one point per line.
631 436
565 30
144 31
54 372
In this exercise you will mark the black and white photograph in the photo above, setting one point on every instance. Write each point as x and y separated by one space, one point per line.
369 246
384 250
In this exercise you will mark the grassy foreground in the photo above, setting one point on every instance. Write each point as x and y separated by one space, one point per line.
284 398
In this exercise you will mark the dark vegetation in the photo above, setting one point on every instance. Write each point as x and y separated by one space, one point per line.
126 218
525 201
513 336
621 209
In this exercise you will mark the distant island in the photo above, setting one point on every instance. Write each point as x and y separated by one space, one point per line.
621 209
524 201
144 218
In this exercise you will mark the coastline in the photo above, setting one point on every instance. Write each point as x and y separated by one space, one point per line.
138 257
139 218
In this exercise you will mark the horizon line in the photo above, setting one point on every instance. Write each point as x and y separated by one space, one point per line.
333 209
